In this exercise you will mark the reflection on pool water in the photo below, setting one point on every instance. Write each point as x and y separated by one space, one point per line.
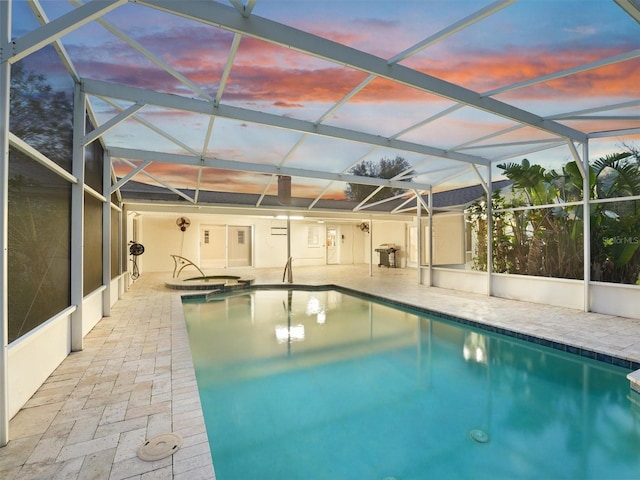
323 385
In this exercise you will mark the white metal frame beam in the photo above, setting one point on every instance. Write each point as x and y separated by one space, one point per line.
56 29
227 18
5 83
534 81
176 102
147 54
156 179
163 157
77 221
40 14
418 47
632 7
112 123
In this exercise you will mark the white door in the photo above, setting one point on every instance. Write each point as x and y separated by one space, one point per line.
239 246
333 245
213 246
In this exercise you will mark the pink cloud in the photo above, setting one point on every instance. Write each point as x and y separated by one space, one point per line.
486 72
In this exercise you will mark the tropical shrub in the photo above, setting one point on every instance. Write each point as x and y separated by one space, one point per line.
548 241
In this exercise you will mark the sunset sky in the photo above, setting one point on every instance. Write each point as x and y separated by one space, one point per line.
525 40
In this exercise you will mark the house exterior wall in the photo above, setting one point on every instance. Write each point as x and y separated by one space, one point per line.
162 238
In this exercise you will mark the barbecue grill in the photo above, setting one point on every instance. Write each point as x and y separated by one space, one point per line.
387 253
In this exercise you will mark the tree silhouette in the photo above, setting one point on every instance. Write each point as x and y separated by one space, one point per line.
40 115
384 168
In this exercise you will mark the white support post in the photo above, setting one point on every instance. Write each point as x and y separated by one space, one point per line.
371 247
77 220
122 253
419 237
489 232
106 235
430 252
586 225
5 86
289 259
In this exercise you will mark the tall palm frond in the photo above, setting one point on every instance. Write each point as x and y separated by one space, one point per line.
617 175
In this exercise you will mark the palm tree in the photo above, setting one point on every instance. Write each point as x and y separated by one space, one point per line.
615 234
547 240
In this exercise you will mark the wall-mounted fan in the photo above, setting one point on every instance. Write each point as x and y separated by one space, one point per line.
364 227
183 223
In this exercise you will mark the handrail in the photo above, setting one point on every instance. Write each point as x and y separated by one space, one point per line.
287 269
177 259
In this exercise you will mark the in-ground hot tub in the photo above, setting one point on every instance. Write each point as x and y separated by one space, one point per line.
209 282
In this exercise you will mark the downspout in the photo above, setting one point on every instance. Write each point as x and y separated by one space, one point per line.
5 88
77 219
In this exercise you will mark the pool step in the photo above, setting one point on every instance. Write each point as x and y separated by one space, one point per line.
213 296
634 381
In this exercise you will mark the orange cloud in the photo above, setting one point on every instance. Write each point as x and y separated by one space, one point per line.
273 74
484 73
270 73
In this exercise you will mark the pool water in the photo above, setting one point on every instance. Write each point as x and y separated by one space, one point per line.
324 385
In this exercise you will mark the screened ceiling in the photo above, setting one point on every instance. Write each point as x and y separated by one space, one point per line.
209 102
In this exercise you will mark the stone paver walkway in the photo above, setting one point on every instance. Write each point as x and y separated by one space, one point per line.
133 380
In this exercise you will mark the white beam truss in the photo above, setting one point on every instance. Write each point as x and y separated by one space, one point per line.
162 157
153 128
413 50
632 7
56 29
40 14
155 178
112 123
534 81
615 133
269 31
148 55
176 102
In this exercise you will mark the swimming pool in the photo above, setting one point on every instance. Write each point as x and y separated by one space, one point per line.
319 384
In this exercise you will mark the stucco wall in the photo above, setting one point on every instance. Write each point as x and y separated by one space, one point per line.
161 238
